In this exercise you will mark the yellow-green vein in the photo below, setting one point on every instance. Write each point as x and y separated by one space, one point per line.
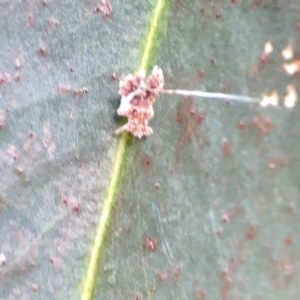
89 281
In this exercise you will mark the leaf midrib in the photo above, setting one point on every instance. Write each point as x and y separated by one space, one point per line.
112 191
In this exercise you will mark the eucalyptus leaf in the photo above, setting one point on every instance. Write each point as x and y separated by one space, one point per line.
205 207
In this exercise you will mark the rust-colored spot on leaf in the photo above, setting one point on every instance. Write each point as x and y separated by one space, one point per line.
113 76
292 207
263 125
226 147
225 218
34 287
200 73
163 275
75 208
201 294
146 161
224 273
104 8
83 91
227 282
43 49
189 121
53 23
17 76
176 274
2 79
251 232
30 19
241 125
236 260
281 161
255 3
288 241
63 88
150 244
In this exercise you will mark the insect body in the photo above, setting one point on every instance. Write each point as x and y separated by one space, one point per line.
138 97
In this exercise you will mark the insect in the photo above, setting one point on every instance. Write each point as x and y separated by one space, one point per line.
139 94
138 97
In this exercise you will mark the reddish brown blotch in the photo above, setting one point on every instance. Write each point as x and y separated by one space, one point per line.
150 244
75 208
176 274
200 73
113 76
241 125
34 287
225 218
288 240
30 19
251 232
104 8
163 275
292 207
146 161
226 147
42 49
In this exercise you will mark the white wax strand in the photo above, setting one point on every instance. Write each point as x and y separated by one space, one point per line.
210 95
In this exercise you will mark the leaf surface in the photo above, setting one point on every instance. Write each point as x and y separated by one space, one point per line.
205 207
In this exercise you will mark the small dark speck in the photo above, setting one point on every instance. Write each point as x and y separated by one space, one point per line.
75 208
42 51
17 77
30 134
113 76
